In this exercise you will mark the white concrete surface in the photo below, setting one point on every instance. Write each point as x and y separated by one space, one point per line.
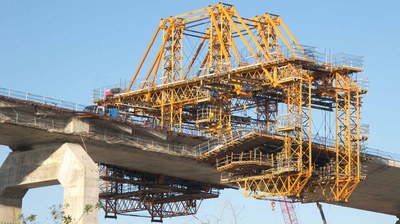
76 125
68 165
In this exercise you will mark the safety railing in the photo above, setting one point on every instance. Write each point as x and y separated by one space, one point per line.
288 74
362 83
282 164
49 123
99 93
230 137
289 121
41 99
381 154
322 140
32 120
241 133
251 156
301 51
364 130
224 139
235 135
310 53
323 59
110 136
104 134
206 114
327 171
347 60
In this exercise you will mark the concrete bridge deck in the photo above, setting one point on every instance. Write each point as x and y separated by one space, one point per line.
30 126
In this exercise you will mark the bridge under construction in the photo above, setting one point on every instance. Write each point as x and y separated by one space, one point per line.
137 168
225 102
249 82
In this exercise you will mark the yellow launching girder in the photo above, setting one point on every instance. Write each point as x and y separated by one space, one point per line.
225 31
248 85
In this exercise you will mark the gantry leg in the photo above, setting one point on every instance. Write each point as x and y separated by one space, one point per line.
68 165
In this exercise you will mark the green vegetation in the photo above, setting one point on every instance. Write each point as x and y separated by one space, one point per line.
58 215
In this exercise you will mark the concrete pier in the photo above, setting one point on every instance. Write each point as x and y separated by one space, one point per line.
68 165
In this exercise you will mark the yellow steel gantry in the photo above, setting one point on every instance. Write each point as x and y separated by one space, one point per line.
248 85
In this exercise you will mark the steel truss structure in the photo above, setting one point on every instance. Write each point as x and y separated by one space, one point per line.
124 192
248 85
288 211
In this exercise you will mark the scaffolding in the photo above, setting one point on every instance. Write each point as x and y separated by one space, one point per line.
248 85
124 192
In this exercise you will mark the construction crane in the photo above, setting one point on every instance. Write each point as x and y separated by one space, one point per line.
256 93
288 212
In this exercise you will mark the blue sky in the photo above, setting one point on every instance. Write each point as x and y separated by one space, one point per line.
64 49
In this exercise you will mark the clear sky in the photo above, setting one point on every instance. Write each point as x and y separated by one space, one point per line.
64 49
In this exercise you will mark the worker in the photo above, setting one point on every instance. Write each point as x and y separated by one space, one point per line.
155 121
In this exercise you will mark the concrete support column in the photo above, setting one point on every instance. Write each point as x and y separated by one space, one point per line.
10 210
68 165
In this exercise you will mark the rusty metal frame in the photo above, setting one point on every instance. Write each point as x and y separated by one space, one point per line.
124 192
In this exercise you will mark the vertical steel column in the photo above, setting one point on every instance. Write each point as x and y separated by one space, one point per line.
347 138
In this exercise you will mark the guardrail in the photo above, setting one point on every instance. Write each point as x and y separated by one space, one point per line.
45 122
381 154
225 138
99 93
103 134
250 156
324 59
41 99
347 60
155 145
32 120
238 134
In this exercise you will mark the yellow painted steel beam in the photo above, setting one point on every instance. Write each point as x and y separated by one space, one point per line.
290 35
224 51
158 58
144 58
196 54
281 35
